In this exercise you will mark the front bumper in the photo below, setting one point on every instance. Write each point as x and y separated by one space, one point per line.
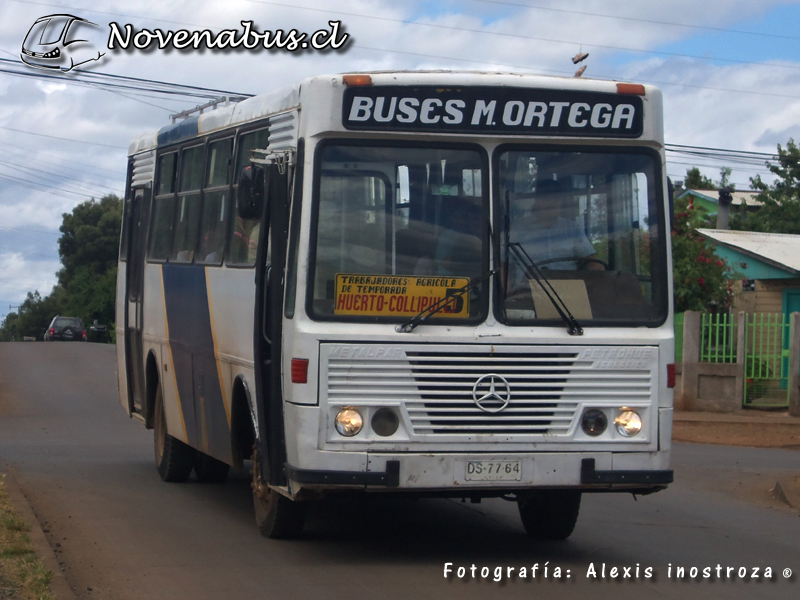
447 473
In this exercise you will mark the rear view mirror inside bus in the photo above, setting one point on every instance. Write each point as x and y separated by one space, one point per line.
250 192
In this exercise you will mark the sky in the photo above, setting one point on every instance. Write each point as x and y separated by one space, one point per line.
729 71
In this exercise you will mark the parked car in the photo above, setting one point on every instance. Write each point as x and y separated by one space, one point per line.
68 329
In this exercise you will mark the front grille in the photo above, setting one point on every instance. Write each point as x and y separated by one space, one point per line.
536 383
436 388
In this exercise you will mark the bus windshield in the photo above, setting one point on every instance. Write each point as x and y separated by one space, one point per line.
398 227
589 222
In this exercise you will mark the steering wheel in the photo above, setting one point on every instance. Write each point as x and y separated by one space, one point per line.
582 259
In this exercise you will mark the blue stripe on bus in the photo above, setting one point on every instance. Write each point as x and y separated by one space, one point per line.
177 131
192 343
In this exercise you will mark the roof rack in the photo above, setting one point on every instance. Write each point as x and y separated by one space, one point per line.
212 104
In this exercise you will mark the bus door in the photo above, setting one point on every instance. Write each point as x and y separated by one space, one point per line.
268 320
134 288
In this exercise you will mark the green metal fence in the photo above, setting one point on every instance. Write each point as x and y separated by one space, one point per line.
766 363
718 338
679 338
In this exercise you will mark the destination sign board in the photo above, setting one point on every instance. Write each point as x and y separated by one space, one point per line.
398 295
491 110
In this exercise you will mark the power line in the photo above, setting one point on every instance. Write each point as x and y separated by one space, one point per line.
46 188
111 81
50 175
519 36
570 73
639 20
73 80
170 84
17 146
717 166
760 154
53 137
102 12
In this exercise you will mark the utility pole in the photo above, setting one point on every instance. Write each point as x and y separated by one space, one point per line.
725 200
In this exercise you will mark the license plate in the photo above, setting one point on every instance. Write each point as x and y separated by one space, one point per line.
494 470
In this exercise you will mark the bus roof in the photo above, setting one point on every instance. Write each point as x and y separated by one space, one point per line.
289 97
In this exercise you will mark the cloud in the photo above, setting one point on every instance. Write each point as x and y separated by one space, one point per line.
19 275
706 103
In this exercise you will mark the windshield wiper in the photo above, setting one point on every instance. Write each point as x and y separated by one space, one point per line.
434 308
532 271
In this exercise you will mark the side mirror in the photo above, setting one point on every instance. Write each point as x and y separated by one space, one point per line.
250 194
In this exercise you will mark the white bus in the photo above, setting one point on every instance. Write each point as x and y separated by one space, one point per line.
423 283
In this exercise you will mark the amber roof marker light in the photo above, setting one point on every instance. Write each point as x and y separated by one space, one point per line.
636 89
357 80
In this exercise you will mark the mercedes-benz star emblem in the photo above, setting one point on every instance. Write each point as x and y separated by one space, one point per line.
497 396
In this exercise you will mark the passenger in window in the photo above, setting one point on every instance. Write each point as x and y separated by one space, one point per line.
252 243
548 237
244 241
214 242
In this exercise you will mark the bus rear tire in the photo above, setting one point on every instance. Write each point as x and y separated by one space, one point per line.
174 459
277 517
549 514
210 470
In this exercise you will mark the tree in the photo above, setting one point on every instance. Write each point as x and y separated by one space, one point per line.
695 180
89 250
701 278
780 212
724 178
9 330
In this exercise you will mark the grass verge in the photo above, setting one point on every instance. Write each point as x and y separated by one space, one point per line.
22 574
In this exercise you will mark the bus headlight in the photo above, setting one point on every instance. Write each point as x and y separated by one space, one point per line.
349 422
594 422
628 423
385 422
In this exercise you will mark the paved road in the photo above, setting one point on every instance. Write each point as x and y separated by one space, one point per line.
88 471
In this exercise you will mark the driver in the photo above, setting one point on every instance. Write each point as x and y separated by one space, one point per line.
547 236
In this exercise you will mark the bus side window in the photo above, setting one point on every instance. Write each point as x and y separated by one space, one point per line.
164 209
215 204
187 214
244 232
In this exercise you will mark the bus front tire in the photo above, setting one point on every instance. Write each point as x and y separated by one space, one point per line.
174 459
210 470
277 517
549 514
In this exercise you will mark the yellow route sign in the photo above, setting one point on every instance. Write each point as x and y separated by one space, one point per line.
398 295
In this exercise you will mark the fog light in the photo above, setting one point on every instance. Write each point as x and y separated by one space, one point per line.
349 422
594 422
628 423
385 422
